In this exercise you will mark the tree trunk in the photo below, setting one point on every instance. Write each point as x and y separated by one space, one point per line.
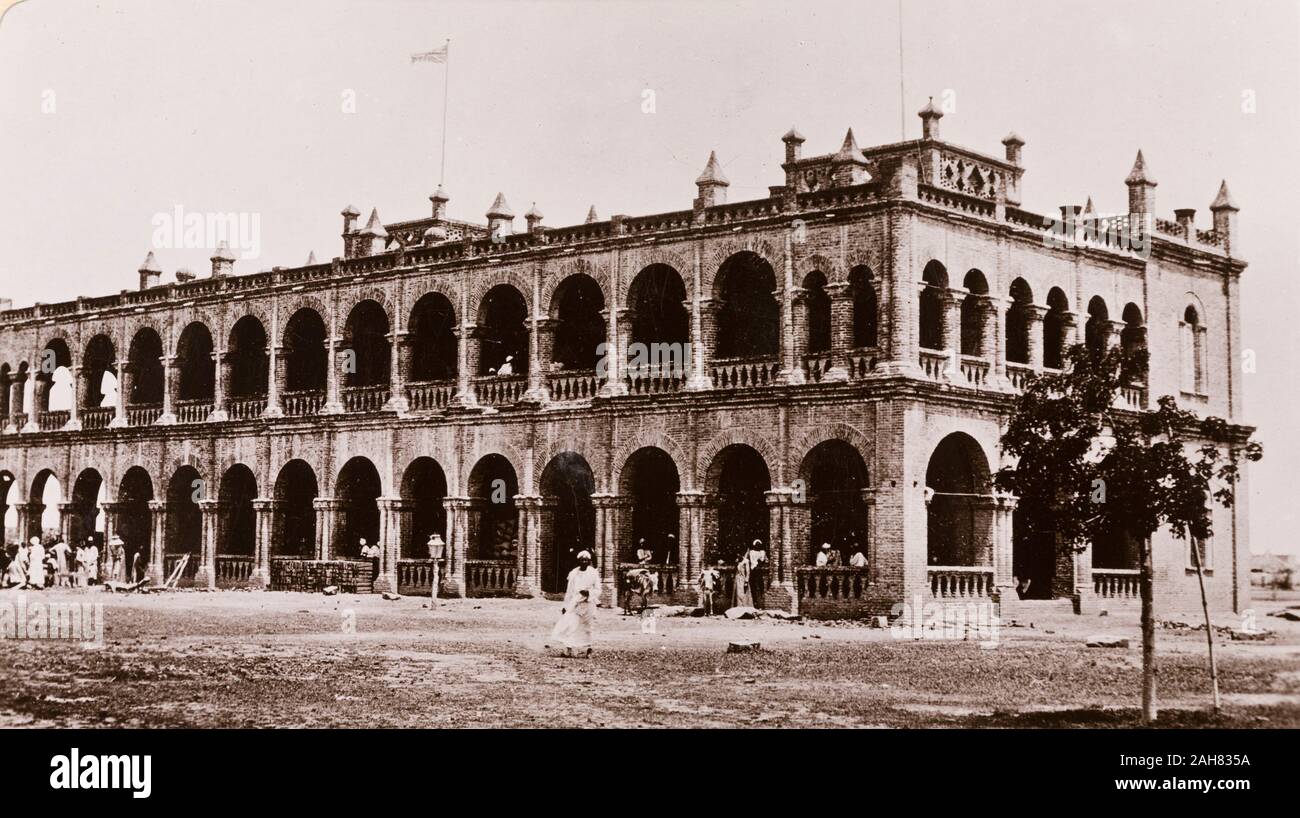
1148 635
1209 629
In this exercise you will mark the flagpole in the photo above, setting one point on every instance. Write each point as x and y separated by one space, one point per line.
446 85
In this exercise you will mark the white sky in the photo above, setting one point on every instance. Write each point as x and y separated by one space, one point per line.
237 106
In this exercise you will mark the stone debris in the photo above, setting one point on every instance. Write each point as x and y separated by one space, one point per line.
330 590
741 612
1107 642
391 597
744 647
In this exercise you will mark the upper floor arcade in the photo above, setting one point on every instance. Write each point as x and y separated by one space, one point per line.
911 260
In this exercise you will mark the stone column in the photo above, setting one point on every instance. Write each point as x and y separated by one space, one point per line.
390 543
157 571
110 510
1083 590
326 513
606 506
17 384
333 388
899 286
538 366
277 371
220 385
119 400
67 521
781 591
690 537
704 331
265 509
468 348
528 556
171 386
1034 315
206 576
952 331
78 398
841 295
399 366
1004 580
24 519
457 510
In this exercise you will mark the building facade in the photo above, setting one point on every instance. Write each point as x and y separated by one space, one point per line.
831 364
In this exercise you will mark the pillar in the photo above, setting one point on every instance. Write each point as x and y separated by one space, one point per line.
157 571
390 543
690 537
67 523
399 366
539 364
1034 315
333 378
17 386
265 509
78 398
781 590
841 296
903 355
1004 580
22 512
528 555
277 371
222 380
206 576
704 332
119 400
791 363
468 348
457 510
111 571
171 387
326 514
606 506
952 330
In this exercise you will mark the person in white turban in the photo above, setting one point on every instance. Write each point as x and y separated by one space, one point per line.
578 616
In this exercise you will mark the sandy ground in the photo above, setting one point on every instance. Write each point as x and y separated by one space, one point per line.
233 658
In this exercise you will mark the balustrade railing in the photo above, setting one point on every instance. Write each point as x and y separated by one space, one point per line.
1133 396
429 396
53 420
961 582
816 364
193 411
490 577
934 363
494 390
170 561
366 398
1019 375
96 417
1115 583
415 576
305 402
654 380
744 373
574 386
974 370
143 415
862 361
246 408
233 570
841 583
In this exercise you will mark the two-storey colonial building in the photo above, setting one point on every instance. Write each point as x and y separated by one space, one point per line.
830 364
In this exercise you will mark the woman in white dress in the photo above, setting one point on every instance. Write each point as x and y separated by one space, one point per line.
579 612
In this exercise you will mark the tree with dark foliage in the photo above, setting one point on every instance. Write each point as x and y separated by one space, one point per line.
1087 470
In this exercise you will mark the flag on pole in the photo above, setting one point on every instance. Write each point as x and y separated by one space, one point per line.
438 55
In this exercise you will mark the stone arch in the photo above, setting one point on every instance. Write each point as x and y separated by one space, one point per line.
765 446
652 440
240 310
818 263
715 256
512 277
548 451
809 439
289 305
517 459
649 257
133 327
554 276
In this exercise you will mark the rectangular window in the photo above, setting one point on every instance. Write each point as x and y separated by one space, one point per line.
1204 549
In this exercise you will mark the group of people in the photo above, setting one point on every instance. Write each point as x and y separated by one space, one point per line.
748 587
36 566
828 557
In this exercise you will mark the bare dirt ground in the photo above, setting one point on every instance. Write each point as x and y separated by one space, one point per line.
249 659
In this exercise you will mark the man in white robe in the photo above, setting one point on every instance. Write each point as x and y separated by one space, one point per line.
36 564
578 615
61 552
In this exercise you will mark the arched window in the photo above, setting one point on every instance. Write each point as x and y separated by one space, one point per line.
749 318
865 317
818 312
1134 342
304 352
1054 328
366 335
933 297
433 339
248 359
146 373
973 308
1098 326
580 329
196 369
1018 315
1192 352
503 331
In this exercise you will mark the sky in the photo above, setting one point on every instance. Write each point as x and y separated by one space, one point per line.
113 113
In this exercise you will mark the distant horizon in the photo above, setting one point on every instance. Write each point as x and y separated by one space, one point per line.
114 115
